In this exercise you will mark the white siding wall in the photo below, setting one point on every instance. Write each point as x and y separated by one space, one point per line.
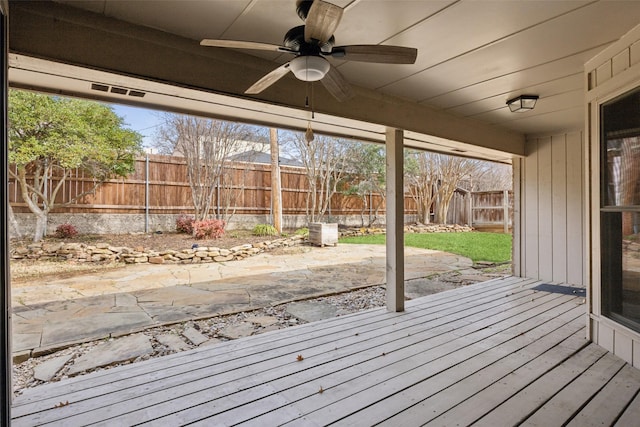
609 74
550 241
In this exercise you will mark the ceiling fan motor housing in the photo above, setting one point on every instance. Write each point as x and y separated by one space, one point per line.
294 40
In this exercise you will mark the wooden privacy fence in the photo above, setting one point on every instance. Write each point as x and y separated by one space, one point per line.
487 210
492 209
160 185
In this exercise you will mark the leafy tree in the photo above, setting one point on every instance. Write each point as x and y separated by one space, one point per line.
50 137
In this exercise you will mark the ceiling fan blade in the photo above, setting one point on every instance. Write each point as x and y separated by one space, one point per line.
238 44
376 53
322 20
268 80
337 85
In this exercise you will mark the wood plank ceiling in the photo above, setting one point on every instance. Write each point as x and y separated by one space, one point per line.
473 55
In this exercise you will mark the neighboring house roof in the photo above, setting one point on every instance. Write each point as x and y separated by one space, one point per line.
254 156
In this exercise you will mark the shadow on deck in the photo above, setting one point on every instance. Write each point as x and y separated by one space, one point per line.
496 353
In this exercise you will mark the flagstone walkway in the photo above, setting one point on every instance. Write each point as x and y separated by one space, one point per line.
53 314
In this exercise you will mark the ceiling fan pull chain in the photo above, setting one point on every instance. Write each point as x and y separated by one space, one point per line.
313 114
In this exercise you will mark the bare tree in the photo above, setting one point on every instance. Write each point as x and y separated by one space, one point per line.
366 175
492 176
421 176
433 178
324 159
451 171
207 145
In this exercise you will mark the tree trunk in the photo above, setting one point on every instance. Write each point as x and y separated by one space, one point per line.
441 212
14 223
41 225
426 216
276 191
364 208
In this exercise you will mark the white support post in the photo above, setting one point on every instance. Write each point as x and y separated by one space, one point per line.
395 221
6 361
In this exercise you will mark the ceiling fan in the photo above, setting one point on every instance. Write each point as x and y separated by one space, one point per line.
312 43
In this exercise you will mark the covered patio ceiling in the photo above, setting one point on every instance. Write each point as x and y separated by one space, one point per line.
472 57
32 73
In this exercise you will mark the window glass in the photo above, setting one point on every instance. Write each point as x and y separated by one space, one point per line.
620 209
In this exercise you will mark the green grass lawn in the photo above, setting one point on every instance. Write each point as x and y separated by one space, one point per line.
492 247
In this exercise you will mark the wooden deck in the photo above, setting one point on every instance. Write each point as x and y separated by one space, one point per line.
496 353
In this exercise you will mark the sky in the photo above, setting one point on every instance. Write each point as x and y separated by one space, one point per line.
141 120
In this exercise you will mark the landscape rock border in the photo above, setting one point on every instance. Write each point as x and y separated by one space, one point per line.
105 252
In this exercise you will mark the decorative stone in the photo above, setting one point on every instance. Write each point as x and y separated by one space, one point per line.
156 260
101 251
263 321
312 311
174 342
233 332
194 336
51 247
47 370
117 351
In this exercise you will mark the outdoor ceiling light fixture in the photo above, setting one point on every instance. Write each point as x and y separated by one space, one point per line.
309 68
522 103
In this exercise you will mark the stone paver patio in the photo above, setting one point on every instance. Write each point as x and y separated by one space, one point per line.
52 314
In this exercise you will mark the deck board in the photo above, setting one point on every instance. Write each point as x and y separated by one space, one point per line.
199 387
498 350
563 406
610 401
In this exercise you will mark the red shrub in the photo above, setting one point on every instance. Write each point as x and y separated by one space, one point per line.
65 231
208 229
184 224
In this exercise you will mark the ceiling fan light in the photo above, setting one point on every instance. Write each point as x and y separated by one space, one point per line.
522 103
309 68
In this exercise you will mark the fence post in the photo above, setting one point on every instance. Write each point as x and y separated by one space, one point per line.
470 209
146 193
505 207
